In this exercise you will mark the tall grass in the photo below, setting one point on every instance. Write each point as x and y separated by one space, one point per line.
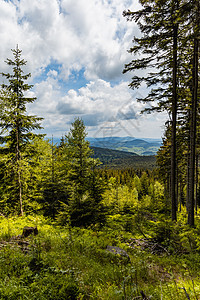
74 264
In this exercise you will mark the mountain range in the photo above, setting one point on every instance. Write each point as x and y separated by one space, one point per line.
123 152
144 146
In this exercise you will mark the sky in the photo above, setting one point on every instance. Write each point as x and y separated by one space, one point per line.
76 51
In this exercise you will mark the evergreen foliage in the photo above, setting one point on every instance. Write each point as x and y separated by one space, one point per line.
16 128
168 49
84 205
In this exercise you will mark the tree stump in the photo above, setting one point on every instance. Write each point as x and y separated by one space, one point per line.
29 230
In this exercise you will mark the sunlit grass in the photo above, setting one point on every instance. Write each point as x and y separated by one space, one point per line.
73 263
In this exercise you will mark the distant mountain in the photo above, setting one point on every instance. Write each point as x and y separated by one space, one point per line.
147 153
137 143
120 154
122 159
130 144
105 152
144 146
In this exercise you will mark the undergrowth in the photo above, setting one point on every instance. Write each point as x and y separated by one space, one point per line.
73 263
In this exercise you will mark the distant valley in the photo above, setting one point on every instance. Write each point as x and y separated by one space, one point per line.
124 152
145 147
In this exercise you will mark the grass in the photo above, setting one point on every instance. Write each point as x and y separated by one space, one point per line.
74 264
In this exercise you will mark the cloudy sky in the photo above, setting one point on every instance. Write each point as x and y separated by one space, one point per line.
76 51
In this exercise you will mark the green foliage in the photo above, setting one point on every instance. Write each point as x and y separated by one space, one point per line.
16 132
53 186
123 159
84 205
74 263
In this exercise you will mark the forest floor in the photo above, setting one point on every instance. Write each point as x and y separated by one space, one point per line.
74 263
107 263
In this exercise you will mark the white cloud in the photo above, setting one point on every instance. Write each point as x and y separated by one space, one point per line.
93 37
52 73
96 96
99 104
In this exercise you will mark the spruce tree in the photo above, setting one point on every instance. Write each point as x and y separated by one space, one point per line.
85 188
80 161
158 22
169 46
16 125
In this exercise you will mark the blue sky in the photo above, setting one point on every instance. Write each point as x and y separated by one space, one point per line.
76 52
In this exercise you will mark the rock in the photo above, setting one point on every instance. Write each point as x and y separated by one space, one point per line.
29 230
118 251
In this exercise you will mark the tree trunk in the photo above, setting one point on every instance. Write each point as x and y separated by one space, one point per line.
19 174
196 183
20 193
193 125
174 120
18 149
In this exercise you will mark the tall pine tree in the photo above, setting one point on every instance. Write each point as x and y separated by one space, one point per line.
158 22
16 125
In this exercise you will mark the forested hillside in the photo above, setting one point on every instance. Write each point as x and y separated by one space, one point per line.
73 227
122 159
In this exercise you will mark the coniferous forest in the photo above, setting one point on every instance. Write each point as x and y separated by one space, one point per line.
74 229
